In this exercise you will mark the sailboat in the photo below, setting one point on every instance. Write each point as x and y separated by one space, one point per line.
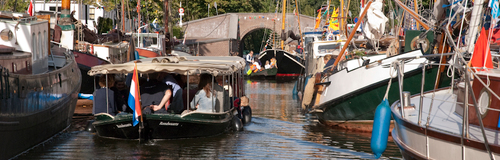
290 64
460 121
348 94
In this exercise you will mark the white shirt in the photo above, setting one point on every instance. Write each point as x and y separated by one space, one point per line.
249 58
267 66
257 65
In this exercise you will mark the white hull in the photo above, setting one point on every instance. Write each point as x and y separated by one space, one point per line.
444 131
355 77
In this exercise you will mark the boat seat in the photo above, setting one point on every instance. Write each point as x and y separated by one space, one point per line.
57 61
103 117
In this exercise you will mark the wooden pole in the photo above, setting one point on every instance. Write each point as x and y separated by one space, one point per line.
412 13
341 24
300 31
123 15
283 24
167 47
351 35
415 2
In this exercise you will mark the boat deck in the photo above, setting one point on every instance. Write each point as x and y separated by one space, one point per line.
443 116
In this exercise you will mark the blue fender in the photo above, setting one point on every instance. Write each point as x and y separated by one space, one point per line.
380 132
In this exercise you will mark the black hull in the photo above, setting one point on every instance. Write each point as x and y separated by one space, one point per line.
41 110
288 64
87 86
165 126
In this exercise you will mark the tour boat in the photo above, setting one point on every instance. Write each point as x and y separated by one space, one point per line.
38 87
188 124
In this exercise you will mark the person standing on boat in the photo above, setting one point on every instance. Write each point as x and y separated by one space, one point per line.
103 103
249 58
203 99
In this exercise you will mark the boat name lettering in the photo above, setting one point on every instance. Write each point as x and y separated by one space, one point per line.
168 124
123 125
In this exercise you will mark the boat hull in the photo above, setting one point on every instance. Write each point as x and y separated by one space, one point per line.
85 62
166 126
361 104
288 64
419 142
350 97
36 107
265 73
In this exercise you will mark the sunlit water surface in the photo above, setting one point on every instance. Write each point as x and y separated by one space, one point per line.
279 130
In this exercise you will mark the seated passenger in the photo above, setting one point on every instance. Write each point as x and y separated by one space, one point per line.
223 103
268 65
329 61
203 100
121 96
100 103
255 66
177 105
155 95
273 63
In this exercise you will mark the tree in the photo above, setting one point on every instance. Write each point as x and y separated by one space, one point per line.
20 5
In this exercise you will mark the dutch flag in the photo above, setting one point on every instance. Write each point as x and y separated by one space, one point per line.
134 97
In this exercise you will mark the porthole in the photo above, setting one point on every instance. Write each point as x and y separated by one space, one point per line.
6 35
484 102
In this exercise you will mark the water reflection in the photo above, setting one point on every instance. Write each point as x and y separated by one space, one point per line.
278 131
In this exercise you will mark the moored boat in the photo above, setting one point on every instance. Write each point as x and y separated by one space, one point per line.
353 94
458 122
189 123
38 90
288 65
271 72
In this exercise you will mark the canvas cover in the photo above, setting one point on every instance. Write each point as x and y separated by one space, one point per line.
220 65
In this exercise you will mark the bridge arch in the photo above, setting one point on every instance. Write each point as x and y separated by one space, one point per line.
227 29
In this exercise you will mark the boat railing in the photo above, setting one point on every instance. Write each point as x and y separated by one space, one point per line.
460 65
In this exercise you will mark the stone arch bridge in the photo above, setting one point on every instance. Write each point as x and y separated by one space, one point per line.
220 35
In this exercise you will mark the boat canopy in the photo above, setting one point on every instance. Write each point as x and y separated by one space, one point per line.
220 65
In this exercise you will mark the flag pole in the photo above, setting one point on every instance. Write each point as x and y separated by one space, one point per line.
141 126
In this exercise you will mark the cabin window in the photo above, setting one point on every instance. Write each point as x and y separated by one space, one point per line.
54 9
34 47
92 13
484 102
45 47
40 46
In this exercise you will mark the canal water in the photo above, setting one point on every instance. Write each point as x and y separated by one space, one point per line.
279 130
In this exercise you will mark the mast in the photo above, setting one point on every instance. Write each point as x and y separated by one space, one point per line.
301 42
341 19
67 26
283 25
123 15
138 17
474 24
167 49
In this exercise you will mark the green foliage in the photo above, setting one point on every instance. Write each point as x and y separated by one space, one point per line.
105 25
21 5
256 40
177 32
